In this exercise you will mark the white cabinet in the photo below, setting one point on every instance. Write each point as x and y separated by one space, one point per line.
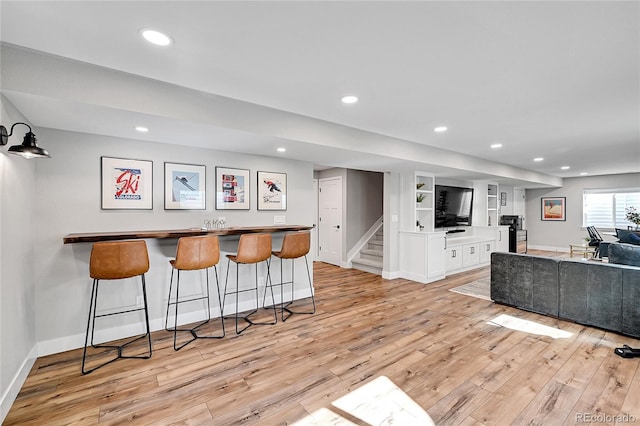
422 256
436 255
502 239
464 253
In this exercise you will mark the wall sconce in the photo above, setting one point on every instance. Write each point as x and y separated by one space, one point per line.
29 147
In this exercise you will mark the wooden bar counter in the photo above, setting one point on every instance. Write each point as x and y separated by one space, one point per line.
92 237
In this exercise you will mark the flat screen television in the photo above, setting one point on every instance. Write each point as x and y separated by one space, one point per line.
453 206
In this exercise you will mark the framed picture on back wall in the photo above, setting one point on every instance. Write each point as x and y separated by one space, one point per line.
126 184
232 189
272 191
553 208
184 186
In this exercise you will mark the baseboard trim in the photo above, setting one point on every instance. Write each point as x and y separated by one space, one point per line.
10 395
391 275
67 343
549 248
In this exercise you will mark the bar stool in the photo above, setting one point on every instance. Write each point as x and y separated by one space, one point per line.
295 245
252 249
192 254
115 260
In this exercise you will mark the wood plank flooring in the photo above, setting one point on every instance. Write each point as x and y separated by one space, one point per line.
439 347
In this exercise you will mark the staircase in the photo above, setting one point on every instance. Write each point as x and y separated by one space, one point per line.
370 257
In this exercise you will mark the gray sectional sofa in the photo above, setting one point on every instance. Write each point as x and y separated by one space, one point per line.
599 294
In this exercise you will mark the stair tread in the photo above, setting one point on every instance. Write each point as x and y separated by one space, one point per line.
372 252
368 262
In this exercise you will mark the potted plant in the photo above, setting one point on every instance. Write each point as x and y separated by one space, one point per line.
633 216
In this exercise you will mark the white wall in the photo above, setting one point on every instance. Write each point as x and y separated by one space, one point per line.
68 201
17 263
365 192
392 224
557 235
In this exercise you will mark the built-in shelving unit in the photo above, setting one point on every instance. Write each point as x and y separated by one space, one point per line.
424 184
493 204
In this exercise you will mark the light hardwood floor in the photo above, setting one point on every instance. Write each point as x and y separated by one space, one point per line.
437 346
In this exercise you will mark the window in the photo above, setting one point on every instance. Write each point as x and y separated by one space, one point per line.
605 208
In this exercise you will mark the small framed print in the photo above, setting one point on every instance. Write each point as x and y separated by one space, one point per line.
232 189
272 191
184 186
126 184
503 198
553 208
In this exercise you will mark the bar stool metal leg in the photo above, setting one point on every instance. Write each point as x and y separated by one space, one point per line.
295 245
252 249
202 252
285 307
236 293
119 348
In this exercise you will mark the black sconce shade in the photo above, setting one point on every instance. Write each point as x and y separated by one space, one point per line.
29 147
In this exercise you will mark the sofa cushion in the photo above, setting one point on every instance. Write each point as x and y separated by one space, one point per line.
628 237
634 239
528 282
624 254
591 293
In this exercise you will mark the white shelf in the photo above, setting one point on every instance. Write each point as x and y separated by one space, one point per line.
423 210
492 204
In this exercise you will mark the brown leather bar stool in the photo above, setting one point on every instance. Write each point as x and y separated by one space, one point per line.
193 254
252 249
295 245
115 260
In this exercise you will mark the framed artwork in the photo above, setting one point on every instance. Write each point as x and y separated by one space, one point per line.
553 208
503 198
272 191
232 189
184 186
126 184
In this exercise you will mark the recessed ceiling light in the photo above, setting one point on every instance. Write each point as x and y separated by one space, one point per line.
565 168
496 145
584 174
142 129
440 129
538 159
155 37
282 149
349 99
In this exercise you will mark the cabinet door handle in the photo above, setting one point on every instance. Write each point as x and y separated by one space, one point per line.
473 250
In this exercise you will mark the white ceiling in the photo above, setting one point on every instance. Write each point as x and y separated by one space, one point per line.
558 80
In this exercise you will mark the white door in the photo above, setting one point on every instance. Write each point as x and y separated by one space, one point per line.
330 220
519 201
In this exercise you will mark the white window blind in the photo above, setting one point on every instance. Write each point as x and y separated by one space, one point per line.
605 208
